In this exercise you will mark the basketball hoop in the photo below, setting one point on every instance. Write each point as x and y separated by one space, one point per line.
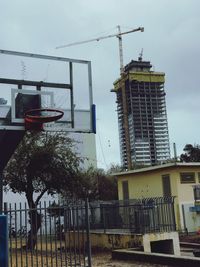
35 118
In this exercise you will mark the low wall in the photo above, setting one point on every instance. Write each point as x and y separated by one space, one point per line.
155 242
167 242
104 240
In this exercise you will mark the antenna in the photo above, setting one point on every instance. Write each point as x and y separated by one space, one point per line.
140 55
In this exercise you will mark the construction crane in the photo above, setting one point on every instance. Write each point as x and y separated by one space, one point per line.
118 35
122 85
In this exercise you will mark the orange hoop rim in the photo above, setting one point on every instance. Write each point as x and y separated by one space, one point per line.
31 118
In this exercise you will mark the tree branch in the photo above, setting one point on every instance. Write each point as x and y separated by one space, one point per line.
40 196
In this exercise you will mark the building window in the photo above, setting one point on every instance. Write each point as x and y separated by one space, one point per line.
125 190
187 177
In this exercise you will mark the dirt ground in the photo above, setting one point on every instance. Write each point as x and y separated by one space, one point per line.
98 260
105 260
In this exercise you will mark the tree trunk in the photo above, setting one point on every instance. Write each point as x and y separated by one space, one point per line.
35 220
35 223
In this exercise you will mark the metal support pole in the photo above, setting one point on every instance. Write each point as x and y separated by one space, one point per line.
87 222
175 152
1 191
71 93
5 208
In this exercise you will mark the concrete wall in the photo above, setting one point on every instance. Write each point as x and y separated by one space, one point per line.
166 243
170 241
103 240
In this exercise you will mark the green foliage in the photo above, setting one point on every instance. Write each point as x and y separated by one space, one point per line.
42 163
115 168
96 184
192 153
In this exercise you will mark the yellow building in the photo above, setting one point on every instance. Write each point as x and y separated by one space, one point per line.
181 180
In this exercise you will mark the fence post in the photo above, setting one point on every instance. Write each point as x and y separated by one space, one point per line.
104 220
173 214
88 232
5 209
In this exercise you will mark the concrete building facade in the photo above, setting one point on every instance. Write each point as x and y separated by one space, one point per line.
142 117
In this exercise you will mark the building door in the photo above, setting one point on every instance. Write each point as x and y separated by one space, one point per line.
125 190
166 185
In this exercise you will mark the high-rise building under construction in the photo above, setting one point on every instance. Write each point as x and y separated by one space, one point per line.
142 117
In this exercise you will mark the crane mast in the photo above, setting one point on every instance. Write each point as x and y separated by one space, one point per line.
121 58
122 84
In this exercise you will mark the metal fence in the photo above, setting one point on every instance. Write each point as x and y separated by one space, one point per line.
141 216
49 235
53 235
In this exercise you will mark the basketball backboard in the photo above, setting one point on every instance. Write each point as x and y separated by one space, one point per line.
30 81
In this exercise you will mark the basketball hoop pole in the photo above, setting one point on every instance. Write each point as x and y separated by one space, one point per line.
1 191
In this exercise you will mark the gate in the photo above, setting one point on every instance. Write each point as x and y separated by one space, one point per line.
50 235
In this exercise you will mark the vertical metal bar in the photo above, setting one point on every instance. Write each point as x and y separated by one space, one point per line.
165 219
21 233
158 214
60 233
41 239
173 215
90 95
36 245
71 93
5 208
104 220
74 232
65 235
16 256
55 240
1 190
45 232
31 232
78 235
83 230
166 215
50 232
39 97
70 234
88 232
162 206
26 225
90 83
11 233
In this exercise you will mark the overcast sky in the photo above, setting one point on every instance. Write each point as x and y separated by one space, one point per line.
171 41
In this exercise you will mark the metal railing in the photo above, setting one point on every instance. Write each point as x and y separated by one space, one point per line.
55 235
49 235
141 216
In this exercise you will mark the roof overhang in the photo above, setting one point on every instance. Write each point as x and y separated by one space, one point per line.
158 167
